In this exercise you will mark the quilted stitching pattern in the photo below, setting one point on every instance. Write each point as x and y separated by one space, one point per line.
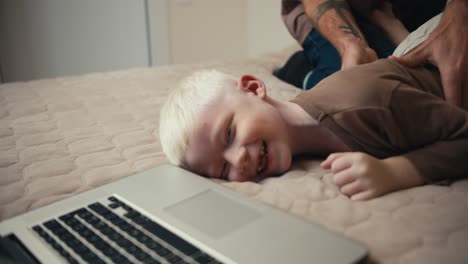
59 137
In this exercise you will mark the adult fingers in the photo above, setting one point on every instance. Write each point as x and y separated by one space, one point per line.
417 56
452 84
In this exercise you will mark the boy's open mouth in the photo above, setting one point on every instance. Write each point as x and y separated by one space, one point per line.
262 159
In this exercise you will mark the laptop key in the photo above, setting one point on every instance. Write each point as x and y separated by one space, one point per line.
151 261
55 245
152 244
120 240
143 238
159 231
83 213
174 259
72 242
141 255
100 244
99 208
204 259
135 217
125 226
132 218
175 241
132 214
91 237
162 251
40 231
52 225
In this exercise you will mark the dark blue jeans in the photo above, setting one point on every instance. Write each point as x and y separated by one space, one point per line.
326 59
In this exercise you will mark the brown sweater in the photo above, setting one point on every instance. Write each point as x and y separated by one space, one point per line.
385 109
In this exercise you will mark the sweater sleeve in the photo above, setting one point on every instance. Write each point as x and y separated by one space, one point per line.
295 19
436 131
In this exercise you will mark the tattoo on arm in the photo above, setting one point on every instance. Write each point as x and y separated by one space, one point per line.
338 6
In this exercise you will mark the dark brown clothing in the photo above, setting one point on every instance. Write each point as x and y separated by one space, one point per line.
385 109
295 19
414 13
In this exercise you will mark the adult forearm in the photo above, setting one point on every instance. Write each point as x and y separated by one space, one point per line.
455 9
334 20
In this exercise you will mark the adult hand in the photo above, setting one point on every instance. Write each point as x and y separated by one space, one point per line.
447 48
356 54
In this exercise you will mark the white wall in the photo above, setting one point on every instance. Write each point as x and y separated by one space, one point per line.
265 29
159 31
48 38
202 30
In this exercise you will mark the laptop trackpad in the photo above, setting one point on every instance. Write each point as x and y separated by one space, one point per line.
213 213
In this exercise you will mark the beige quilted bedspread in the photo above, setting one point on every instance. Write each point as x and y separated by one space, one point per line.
59 137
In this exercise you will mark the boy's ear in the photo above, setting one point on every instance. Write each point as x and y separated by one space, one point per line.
250 83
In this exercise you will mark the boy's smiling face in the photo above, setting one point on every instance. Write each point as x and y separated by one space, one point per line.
240 136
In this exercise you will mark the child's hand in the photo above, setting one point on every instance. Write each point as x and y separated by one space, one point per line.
361 176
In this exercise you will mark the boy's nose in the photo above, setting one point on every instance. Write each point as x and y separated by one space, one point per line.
238 158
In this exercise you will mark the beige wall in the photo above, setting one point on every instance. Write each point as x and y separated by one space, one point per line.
202 30
265 29
45 38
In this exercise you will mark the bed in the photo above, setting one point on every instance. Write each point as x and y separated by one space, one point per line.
63 136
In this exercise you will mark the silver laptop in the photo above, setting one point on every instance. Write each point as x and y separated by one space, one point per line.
169 215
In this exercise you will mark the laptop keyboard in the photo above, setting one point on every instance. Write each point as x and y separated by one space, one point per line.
114 232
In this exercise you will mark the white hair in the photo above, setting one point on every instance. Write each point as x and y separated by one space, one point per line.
180 111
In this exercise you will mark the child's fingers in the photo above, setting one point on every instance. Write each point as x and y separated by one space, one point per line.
326 164
363 196
352 188
341 163
343 177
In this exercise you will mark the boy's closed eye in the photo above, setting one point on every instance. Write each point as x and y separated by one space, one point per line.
227 142
225 171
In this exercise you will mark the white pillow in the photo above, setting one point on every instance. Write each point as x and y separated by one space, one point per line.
418 36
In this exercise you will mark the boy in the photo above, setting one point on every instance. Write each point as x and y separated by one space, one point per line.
384 128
